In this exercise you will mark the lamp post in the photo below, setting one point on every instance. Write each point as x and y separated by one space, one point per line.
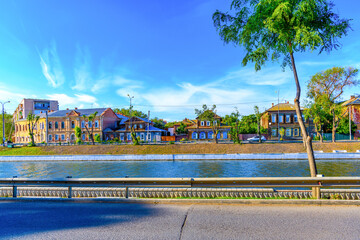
130 97
3 119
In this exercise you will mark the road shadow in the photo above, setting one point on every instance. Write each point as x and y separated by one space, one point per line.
21 218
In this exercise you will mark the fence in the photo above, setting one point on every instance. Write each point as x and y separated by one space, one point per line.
183 187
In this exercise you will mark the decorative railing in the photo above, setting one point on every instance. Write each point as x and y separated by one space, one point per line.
263 187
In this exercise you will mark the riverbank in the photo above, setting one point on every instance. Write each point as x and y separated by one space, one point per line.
173 149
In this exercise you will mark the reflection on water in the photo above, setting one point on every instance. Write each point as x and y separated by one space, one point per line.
213 168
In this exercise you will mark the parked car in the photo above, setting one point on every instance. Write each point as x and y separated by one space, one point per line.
256 139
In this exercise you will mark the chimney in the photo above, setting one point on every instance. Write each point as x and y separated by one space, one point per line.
352 97
76 108
287 102
272 104
67 109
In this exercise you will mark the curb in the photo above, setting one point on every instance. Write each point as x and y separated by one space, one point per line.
192 201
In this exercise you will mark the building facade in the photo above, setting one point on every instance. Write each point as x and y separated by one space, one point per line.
283 116
202 130
61 125
34 106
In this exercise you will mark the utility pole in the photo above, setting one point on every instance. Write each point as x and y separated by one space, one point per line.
148 127
278 120
46 128
130 97
350 122
3 119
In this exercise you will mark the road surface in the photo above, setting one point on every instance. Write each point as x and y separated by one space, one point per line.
74 220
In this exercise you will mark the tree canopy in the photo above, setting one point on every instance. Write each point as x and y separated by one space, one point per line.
126 112
271 29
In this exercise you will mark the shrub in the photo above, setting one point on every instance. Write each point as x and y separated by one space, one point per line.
171 142
78 141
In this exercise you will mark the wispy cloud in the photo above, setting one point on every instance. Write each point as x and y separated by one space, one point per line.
78 100
51 66
82 72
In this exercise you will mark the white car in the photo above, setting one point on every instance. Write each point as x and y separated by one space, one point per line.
256 139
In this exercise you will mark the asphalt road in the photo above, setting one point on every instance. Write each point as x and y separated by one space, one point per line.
72 220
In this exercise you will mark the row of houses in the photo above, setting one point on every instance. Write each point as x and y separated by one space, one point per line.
56 125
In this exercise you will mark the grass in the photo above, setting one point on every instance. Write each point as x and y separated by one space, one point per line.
201 148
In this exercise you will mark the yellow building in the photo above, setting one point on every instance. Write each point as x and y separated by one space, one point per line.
61 125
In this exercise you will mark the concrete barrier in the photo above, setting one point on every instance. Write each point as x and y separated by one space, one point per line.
182 157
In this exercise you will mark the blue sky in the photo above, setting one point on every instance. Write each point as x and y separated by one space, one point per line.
167 54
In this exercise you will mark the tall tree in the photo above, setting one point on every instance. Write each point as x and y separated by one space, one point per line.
77 131
32 120
9 127
127 111
209 114
159 123
89 125
270 29
258 116
233 121
326 88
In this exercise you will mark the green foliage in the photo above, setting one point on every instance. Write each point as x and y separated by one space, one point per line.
343 127
170 124
9 127
269 29
77 131
126 112
98 138
209 114
78 141
282 133
32 120
159 123
182 129
171 142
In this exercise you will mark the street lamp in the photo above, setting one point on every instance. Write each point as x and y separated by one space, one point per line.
130 97
3 119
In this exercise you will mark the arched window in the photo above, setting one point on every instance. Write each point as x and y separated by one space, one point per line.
210 135
50 125
218 135
96 123
56 125
202 135
82 124
194 135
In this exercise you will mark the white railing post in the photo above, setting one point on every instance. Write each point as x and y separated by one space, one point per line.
69 189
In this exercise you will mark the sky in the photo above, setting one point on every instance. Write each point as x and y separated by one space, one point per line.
166 54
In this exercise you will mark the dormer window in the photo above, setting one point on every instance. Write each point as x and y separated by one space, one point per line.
202 123
208 123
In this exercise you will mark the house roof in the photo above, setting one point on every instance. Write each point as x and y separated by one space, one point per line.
353 101
86 112
150 129
123 118
142 119
282 107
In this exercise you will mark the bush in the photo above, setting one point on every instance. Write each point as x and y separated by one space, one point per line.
31 144
78 142
97 138
171 142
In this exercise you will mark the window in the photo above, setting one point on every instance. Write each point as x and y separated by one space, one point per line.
303 117
215 123
72 137
82 124
194 135
62 125
90 124
288 132
218 136
142 136
50 137
129 136
56 137
202 135
274 132
149 137
83 137
62 137
295 118
296 132
96 123
72 124
140 125
208 123
210 135
121 135
225 135
56 125
134 126
287 118
281 118
50 125
202 123
273 118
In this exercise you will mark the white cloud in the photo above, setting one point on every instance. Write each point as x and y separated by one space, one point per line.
82 71
78 100
100 85
51 66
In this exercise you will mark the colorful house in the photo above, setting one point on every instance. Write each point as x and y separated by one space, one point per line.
202 129
283 116
352 106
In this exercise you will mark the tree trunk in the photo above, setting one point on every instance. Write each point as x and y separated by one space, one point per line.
307 139
333 128
258 130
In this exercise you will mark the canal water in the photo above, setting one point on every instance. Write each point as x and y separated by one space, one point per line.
208 168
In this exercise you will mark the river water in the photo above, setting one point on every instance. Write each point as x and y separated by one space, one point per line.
208 168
